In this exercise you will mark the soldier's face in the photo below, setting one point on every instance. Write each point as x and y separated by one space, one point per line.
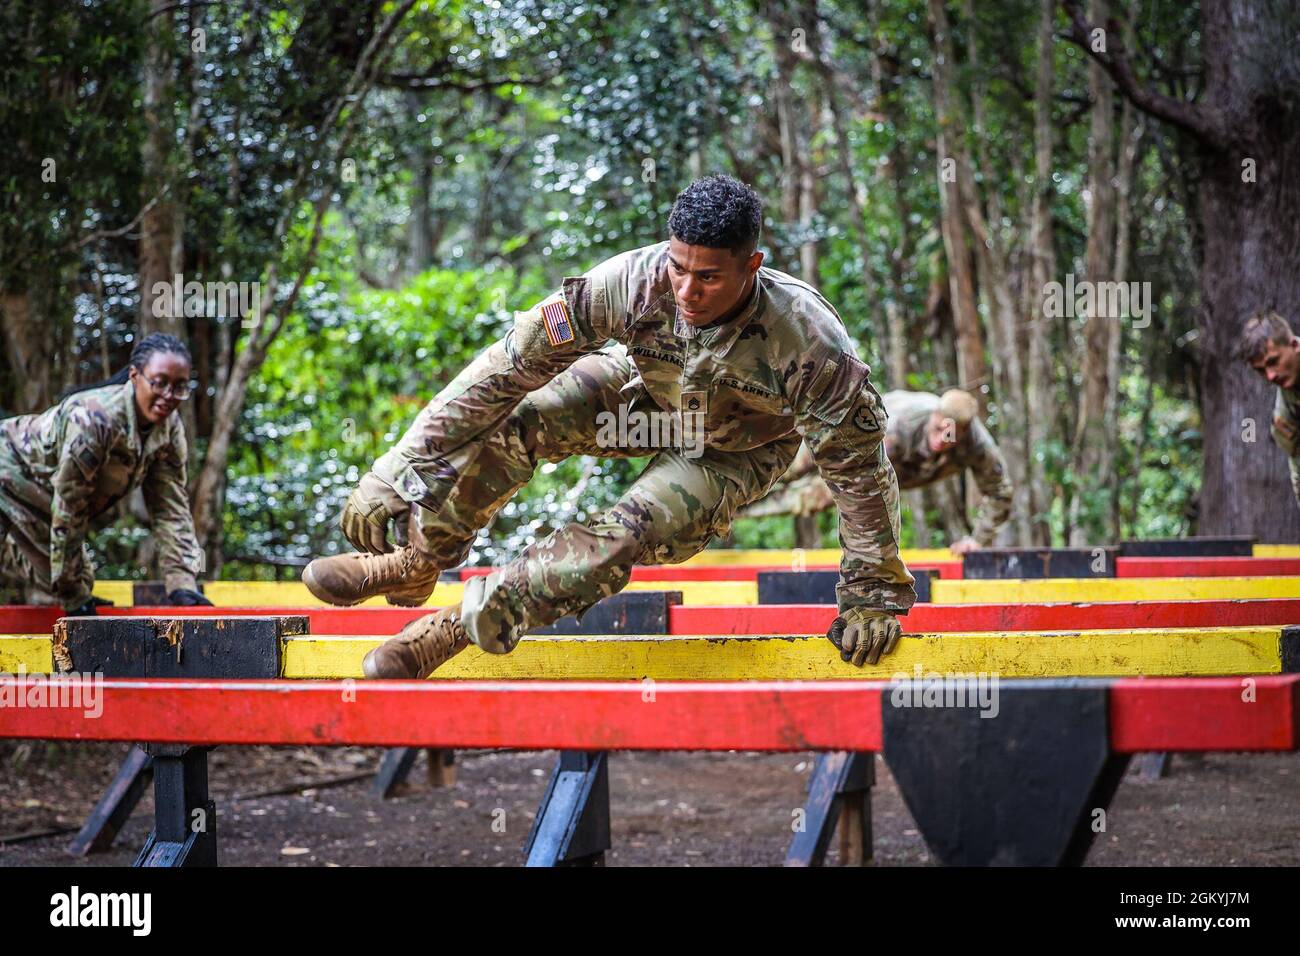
943 433
708 283
163 369
1280 364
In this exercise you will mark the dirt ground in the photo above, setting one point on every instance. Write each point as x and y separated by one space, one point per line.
668 809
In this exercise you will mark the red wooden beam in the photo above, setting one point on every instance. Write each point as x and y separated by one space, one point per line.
940 618
769 619
1195 713
842 715
948 570
1213 567
1184 714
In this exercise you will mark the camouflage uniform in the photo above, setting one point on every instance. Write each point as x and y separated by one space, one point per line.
784 367
1286 431
916 465
66 470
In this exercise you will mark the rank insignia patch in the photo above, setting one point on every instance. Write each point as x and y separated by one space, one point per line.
558 327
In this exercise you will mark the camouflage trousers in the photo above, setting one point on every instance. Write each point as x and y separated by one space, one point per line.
682 498
25 571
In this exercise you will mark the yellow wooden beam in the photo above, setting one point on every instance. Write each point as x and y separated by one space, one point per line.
786 557
121 593
285 594
704 592
294 594
1276 550
1165 652
25 653
1046 590
774 557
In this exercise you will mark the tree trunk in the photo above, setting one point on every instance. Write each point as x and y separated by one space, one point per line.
158 223
30 348
1129 140
901 262
787 124
798 191
1000 301
888 334
1042 384
1252 247
939 323
1249 145
420 230
1092 443
971 366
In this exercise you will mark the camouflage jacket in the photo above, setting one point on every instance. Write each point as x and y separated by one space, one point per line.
916 465
1286 431
784 366
72 464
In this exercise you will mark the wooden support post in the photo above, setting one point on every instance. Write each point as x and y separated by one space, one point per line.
572 825
1025 785
441 768
185 820
839 792
114 807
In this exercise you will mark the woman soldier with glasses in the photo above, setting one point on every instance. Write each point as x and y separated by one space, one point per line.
65 468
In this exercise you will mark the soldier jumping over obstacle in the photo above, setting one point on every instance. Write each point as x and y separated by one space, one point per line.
1273 351
748 360
929 437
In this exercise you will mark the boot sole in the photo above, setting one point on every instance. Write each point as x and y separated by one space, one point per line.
399 603
317 591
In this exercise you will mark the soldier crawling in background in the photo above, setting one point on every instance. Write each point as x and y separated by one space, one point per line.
1273 350
929 438
754 358
65 470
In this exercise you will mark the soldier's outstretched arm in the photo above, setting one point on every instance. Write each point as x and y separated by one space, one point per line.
86 438
165 495
449 432
842 419
989 469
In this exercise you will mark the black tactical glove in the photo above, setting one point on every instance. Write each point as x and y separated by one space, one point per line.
184 597
863 634
88 609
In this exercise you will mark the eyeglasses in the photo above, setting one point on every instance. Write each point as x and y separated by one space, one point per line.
165 388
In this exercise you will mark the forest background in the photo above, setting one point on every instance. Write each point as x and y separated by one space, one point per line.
397 177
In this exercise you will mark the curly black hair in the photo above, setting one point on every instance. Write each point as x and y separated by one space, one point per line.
140 355
718 212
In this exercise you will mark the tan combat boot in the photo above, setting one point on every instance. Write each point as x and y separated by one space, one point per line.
420 648
405 577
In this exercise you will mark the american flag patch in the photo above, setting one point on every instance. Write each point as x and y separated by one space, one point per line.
558 327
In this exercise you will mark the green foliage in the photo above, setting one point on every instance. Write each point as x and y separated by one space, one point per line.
530 139
342 383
